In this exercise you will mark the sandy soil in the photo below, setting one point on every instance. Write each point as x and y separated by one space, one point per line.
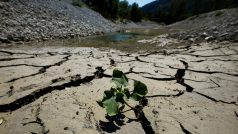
54 90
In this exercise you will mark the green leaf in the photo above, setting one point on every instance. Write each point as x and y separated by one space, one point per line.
107 94
140 88
136 96
119 97
111 106
127 93
100 103
114 90
119 78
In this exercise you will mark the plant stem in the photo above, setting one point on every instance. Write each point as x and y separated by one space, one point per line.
130 106
126 111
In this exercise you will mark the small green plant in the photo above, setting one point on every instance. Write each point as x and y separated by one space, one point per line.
115 99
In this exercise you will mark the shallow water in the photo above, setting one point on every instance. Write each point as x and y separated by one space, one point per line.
125 41
116 37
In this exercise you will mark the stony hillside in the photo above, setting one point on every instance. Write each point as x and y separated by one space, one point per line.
24 20
217 25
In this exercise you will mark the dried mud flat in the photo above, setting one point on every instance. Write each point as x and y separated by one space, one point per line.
54 90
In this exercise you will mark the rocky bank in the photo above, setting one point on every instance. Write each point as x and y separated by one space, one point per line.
218 26
25 20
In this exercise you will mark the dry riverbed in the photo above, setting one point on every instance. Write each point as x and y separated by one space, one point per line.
54 89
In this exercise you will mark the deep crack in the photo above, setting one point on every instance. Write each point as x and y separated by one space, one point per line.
145 123
160 79
15 65
42 70
9 59
41 92
12 53
215 100
204 72
134 60
206 56
236 113
184 129
175 95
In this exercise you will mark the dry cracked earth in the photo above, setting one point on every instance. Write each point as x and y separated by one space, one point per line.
54 90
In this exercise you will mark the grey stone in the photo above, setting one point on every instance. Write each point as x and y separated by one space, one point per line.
209 38
4 39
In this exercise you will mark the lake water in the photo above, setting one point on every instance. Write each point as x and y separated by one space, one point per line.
126 41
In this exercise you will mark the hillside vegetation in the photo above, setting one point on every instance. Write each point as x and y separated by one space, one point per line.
115 9
169 11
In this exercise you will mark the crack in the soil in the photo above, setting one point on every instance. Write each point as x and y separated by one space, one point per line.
205 72
9 59
134 60
138 59
42 124
38 121
196 55
12 53
184 63
6 52
133 72
41 92
188 87
151 53
197 80
125 55
215 48
236 113
127 61
184 129
213 59
145 123
213 99
43 69
160 79
215 83
15 65
170 95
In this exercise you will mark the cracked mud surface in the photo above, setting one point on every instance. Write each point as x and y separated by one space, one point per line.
192 89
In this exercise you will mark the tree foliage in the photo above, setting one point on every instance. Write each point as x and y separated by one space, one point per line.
169 11
136 14
124 10
115 9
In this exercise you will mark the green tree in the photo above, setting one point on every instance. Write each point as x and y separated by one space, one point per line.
136 14
113 8
124 10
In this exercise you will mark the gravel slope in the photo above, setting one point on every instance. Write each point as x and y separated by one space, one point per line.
217 25
24 20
